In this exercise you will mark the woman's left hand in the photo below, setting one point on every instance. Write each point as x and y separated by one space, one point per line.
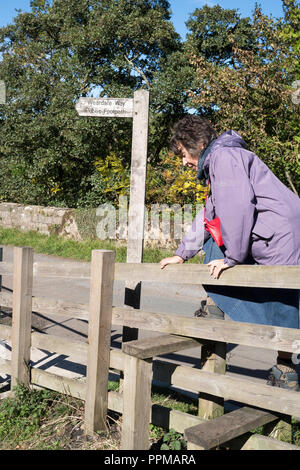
216 267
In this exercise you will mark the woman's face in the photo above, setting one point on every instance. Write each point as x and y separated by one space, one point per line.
187 159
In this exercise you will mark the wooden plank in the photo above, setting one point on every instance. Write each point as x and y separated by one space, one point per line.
247 334
227 427
78 350
50 306
72 387
137 403
258 442
70 269
99 337
5 366
5 332
6 269
245 391
105 107
287 277
154 346
21 317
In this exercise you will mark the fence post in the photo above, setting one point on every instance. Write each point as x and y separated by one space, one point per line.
213 359
137 403
21 315
99 337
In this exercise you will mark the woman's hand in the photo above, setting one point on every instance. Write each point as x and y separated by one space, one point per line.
216 267
171 260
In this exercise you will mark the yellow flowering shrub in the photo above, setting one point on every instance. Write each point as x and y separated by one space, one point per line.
171 183
115 177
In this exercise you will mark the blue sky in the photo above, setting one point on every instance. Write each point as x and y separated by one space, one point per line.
181 9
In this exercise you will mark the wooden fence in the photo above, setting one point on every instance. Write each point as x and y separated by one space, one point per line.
263 404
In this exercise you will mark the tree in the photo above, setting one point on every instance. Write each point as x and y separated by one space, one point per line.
252 95
60 51
290 33
212 30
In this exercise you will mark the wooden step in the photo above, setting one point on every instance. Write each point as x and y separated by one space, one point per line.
258 442
217 431
154 346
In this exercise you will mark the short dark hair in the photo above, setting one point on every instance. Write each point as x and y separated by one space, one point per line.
191 132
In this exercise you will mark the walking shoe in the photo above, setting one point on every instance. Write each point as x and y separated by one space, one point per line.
208 309
201 312
284 379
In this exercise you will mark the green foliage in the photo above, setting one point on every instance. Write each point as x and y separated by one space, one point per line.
60 51
236 71
212 30
290 34
173 440
254 97
21 415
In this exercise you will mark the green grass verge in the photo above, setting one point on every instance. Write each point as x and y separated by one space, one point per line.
82 250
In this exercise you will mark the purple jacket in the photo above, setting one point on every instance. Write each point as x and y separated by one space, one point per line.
259 214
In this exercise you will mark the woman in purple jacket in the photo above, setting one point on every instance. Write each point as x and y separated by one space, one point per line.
260 224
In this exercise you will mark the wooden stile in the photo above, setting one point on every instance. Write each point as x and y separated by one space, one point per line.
99 334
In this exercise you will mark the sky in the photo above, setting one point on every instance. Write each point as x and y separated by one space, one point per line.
181 9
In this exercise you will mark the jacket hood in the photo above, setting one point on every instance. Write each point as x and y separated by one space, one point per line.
228 139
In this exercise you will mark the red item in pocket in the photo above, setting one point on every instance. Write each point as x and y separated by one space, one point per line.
213 226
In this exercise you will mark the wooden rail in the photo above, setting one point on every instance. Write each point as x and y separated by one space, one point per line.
140 370
284 277
247 334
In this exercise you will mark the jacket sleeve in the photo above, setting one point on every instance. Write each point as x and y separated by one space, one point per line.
234 201
194 240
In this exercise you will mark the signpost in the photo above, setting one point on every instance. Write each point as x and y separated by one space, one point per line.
137 109
105 107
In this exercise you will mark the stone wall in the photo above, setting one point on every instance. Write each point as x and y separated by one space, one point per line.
45 220
73 224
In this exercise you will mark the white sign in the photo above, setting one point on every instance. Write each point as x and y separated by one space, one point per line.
2 92
105 107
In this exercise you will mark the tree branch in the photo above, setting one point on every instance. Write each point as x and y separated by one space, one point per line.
288 176
139 71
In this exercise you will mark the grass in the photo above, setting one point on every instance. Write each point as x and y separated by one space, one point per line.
34 419
79 250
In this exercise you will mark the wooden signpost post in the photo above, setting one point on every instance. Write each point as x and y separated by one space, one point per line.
136 108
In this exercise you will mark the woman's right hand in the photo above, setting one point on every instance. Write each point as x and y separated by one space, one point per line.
171 260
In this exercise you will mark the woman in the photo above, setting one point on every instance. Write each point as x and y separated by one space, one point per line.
260 224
